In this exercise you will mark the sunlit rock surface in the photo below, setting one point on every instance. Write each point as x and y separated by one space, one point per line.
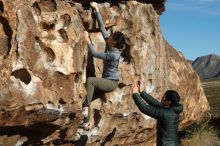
44 64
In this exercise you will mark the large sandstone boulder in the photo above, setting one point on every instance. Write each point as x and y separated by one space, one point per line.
44 69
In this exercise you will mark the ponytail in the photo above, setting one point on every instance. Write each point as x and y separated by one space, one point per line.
126 54
121 45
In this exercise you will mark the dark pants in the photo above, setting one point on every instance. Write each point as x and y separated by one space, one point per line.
102 84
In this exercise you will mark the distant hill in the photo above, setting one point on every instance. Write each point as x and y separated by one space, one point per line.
207 66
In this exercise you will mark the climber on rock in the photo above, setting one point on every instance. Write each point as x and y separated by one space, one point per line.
115 47
167 113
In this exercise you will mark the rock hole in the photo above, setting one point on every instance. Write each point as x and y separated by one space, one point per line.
86 25
82 141
23 75
1 7
77 77
36 8
61 101
48 5
58 73
8 31
17 53
97 117
109 137
50 54
64 35
66 19
150 81
50 102
72 116
122 85
47 26
153 33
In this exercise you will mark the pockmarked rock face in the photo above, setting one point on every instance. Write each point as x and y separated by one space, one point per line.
44 63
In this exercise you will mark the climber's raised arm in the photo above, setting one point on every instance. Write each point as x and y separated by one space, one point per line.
104 32
146 97
101 55
149 99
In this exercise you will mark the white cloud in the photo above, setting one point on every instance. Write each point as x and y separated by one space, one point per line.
209 0
186 6
199 6
214 12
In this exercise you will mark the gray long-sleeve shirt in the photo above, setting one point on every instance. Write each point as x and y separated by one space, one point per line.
110 57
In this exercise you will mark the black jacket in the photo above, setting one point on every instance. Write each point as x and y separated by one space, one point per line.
167 118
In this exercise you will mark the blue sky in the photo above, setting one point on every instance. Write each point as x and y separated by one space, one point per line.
192 26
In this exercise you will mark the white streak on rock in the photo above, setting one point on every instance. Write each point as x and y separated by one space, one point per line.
21 141
118 96
149 88
146 117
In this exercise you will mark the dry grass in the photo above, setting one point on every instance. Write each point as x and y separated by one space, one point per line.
201 134
212 91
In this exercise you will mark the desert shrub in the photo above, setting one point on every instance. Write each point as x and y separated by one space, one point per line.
201 134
